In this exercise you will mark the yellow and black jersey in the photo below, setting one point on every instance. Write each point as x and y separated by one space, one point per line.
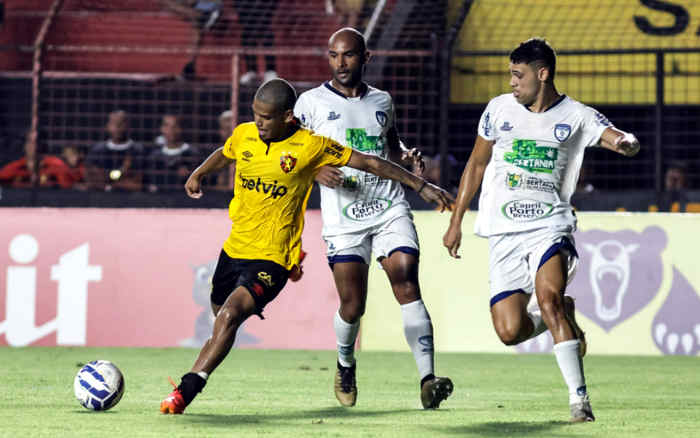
273 182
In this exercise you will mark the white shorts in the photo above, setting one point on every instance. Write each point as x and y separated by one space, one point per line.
397 234
514 259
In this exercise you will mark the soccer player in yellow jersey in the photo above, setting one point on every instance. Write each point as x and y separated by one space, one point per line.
276 163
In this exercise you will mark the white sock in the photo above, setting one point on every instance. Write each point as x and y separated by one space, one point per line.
536 317
345 335
204 375
571 367
418 329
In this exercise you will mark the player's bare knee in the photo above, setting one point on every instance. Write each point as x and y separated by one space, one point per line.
352 310
406 292
230 315
508 332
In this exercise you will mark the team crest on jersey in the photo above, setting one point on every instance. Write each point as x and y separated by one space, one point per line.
382 118
287 162
562 131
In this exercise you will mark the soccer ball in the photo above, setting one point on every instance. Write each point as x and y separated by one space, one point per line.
99 385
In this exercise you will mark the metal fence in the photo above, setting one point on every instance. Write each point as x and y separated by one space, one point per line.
148 60
640 91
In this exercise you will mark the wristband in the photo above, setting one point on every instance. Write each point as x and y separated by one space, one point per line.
422 187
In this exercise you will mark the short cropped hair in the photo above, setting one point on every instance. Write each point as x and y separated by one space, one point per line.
278 93
536 52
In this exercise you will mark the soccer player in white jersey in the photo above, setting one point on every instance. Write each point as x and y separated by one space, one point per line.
527 158
365 215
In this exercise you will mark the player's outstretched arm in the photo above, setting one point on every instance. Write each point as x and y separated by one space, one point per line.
387 169
621 142
216 161
468 185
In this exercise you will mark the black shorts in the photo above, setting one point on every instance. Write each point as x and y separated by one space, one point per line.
263 279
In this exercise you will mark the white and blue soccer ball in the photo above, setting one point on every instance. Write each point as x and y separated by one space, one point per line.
99 385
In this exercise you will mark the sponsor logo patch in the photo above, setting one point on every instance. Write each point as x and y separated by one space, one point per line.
601 119
506 126
276 191
486 126
516 181
513 180
527 155
265 278
350 182
358 139
526 210
363 210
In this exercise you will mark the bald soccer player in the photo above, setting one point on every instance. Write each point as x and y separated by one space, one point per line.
365 216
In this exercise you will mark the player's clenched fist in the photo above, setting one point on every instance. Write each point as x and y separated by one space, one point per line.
193 187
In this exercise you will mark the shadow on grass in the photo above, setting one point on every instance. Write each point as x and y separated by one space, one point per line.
312 415
509 428
91 412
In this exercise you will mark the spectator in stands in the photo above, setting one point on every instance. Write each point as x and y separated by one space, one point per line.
18 173
220 180
116 163
255 18
225 125
203 15
66 171
674 198
169 164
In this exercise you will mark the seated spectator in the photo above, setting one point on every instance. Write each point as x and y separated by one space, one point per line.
673 198
169 165
225 125
66 171
18 173
116 163
220 181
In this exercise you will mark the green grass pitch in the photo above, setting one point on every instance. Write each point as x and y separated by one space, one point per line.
289 394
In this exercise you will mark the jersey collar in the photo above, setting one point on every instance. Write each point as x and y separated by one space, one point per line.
363 92
559 100
296 124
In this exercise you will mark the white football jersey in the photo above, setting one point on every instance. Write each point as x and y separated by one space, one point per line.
534 165
364 200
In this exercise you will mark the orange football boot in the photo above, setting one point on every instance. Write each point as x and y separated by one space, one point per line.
173 403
